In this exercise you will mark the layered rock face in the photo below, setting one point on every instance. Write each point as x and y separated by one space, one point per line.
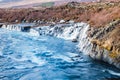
106 43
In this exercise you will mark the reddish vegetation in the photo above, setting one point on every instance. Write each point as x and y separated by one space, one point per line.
110 0
105 16
97 14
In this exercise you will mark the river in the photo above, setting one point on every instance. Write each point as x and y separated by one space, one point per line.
27 57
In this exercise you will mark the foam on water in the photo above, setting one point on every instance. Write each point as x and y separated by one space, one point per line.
21 52
73 32
114 73
34 32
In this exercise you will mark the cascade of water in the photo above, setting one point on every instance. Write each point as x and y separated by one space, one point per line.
12 27
84 43
76 32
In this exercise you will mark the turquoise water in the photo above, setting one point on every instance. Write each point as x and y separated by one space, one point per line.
26 57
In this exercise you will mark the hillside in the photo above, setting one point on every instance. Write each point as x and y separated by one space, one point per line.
32 3
104 12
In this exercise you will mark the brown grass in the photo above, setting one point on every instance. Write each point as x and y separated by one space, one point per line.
97 14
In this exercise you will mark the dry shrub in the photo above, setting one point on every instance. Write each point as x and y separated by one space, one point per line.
105 16
88 12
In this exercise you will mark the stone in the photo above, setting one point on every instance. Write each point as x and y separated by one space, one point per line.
74 40
62 21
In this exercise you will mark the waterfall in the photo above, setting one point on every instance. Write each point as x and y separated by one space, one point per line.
12 27
17 27
84 43
76 32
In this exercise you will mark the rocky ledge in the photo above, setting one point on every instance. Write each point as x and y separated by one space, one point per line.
106 43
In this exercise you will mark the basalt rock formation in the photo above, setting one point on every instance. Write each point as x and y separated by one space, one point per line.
106 43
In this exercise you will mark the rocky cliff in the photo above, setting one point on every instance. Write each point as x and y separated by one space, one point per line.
106 43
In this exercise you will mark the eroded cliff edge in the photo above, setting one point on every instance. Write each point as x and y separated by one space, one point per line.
106 43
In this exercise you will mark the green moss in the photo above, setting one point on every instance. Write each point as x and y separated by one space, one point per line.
113 55
48 4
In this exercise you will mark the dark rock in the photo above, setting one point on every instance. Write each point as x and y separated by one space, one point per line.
26 29
74 40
